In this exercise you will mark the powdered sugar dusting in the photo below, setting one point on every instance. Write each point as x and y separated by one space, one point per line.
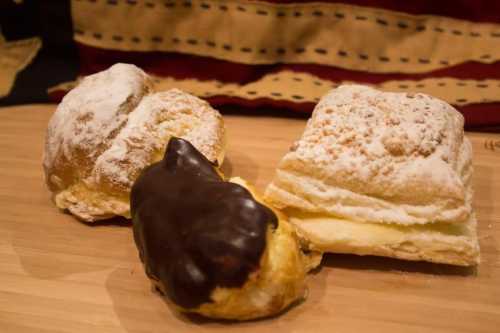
158 117
91 114
379 154
359 134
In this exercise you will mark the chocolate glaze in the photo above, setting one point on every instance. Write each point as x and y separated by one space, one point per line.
195 231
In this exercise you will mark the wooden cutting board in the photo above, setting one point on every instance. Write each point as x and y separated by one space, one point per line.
60 275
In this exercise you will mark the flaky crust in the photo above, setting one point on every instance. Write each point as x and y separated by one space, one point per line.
380 157
110 127
388 159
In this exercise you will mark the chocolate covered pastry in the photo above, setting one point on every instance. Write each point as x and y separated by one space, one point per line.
209 245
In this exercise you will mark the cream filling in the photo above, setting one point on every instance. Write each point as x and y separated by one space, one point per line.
438 242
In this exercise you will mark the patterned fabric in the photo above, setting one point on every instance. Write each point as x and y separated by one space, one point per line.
286 54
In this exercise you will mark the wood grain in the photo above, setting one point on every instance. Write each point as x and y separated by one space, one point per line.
60 275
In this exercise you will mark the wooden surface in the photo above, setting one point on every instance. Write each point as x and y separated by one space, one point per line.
57 274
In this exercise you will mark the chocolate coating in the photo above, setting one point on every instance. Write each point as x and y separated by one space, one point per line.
195 231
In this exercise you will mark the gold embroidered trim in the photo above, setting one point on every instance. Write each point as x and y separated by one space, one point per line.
303 87
347 36
14 57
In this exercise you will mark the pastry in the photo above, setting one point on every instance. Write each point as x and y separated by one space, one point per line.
380 173
211 246
111 126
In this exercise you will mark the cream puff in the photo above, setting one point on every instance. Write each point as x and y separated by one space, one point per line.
109 128
210 245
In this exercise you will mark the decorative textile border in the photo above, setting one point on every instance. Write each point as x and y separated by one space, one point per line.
303 87
347 36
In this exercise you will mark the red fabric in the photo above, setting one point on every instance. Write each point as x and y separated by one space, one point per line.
182 66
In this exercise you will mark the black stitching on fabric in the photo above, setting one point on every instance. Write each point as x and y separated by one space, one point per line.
176 40
461 100
117 38
136 39
363 56
360 18
246 49
169 4
342 53
262 12
403 59
474 34
481 85
263 51
251 92
384 59
298 79
132 2
297 97
223 7
495 34
280 51
205 6
157 39
277 94
457 32
112 2
187 4
321 51
316 99
444 62
402 25
241 9
424 61
420 85
317 13
438 29
276 79
227 47
280 14
485 56
381 22
441 84
420 28
211 43
97 35
403 86
192 41
318 83
300 50
297 14
461 84
339 15
150 4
